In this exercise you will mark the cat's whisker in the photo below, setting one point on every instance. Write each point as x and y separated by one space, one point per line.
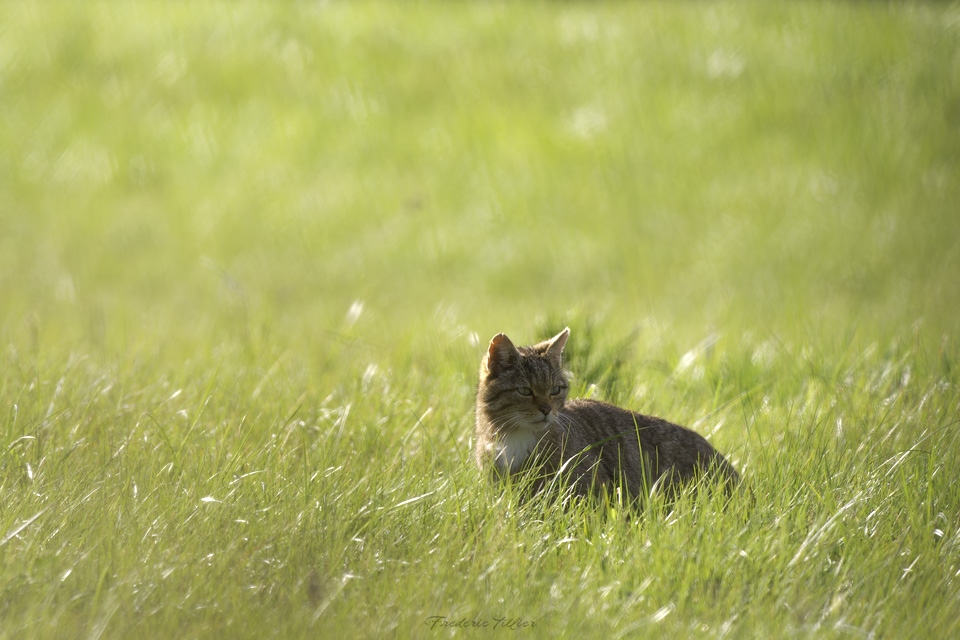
510 422
567 421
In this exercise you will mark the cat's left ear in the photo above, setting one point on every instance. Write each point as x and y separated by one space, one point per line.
554 347
500 354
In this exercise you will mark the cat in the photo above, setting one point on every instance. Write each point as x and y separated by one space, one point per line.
525 420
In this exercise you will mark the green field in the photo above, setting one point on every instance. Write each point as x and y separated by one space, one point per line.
251 254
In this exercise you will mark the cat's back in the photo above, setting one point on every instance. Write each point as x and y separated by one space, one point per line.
604 418
589 422
594 415
588 406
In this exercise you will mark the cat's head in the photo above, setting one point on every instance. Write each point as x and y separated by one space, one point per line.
525 387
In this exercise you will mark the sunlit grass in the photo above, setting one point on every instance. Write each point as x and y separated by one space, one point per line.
250 255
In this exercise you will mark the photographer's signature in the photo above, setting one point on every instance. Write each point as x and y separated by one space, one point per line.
511 624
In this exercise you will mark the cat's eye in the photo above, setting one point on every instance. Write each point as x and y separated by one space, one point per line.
555 391
525 391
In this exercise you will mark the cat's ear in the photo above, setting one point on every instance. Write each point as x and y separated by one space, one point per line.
554 347
501 353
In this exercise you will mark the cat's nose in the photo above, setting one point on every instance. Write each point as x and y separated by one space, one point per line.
545 409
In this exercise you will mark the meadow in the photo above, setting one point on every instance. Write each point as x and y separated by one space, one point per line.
251 254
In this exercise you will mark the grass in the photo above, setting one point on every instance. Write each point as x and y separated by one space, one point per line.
251 253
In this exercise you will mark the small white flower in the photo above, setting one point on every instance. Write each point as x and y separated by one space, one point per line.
356 309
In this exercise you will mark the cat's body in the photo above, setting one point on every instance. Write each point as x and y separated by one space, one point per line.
523 420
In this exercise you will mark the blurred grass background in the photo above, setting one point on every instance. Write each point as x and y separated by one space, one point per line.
252 252
242 163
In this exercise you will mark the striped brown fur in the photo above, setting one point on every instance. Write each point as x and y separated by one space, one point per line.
523 416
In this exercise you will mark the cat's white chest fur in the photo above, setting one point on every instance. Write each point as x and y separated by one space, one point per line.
514 447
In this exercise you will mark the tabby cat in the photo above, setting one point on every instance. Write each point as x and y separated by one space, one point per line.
524 419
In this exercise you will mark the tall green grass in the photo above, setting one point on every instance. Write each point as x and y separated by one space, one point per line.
251 253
